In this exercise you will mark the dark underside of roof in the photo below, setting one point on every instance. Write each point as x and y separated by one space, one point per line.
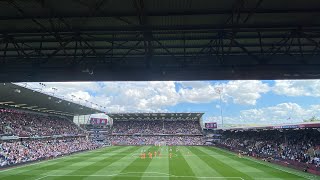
64 40
14 96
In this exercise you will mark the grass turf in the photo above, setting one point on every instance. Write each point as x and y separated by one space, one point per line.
187 162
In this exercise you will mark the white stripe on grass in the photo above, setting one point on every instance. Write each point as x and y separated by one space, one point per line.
119 165
158 164
274 166
249 170
76 166
198 166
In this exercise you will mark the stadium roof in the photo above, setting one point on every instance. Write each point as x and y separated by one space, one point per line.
155 116
15 96
280 126
63 40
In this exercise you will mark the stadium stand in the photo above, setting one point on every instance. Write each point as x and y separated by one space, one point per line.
24 124
98 133
17 152
294 147
28 136
156 140
156 129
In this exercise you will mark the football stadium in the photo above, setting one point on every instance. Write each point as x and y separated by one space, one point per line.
46 143
159 89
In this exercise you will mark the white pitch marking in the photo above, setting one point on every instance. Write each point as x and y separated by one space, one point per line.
146 173
93 175
42 177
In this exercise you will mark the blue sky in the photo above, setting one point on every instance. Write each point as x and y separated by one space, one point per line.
243 102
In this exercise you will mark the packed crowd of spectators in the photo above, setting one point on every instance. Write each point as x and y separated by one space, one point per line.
296 145
24 124
156 127
32 126
154 140
17 152
148 132
29 124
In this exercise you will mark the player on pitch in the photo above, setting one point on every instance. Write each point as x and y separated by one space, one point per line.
143 155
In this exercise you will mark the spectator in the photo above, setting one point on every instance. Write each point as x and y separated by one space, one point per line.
149 127
153 140
30 150
295 145
29 124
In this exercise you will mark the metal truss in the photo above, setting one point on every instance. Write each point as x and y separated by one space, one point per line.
233 46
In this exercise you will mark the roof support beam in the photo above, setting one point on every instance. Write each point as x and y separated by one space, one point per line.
162 13
270 27
234 67
147 34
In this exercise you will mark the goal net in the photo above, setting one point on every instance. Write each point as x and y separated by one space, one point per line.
160 143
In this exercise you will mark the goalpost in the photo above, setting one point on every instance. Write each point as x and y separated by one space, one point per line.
160 143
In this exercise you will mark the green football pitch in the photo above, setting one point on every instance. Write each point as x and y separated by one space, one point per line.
124 162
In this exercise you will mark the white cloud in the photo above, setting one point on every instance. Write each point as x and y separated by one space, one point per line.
278 114
159 96
198 94
81 94
141 96
245 92
194 84
239 92
155 96
297 87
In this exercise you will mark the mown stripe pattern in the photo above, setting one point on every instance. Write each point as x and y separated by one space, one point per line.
124 162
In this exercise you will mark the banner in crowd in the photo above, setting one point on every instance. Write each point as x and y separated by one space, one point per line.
289 126
9 137
98 121
313 125
211 125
